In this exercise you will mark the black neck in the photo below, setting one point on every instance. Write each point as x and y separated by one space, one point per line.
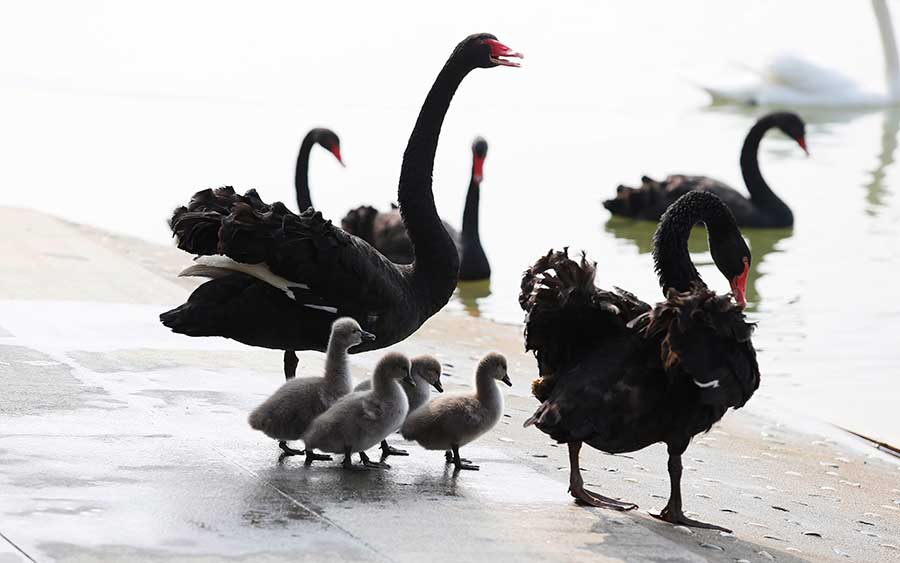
436 264
761 194
473 262
301 177
670 243
470 212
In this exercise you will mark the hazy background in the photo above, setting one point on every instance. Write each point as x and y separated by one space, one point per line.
113 113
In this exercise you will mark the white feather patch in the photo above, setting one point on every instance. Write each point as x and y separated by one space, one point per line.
325 308
259 271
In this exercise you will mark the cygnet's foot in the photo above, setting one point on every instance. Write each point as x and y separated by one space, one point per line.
448 455
288 451
460 462
464 464
590 498
388 450
677 517
312 456
372 464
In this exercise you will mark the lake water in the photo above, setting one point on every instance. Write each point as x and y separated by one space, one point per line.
113 114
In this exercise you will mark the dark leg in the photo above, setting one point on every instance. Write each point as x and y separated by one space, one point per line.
387 449
348 459
311 456
460 463
289 451
672 512
373 464
584 496
448 455
290 364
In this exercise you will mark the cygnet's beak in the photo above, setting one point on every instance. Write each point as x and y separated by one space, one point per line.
367 336
437 385
409 379
506 380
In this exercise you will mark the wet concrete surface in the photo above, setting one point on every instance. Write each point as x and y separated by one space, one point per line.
122 442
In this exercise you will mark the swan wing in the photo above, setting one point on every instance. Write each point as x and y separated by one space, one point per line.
311 260
795 73
790 80
567 315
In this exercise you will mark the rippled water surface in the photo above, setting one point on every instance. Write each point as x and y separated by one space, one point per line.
114 114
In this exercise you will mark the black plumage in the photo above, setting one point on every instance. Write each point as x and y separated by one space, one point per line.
386 231
620 376
763 209
286 277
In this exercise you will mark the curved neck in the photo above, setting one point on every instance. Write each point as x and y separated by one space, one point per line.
470 212
670 243
761 194
385 385
301 176
486 387
473 261
336 368
419 394
436 265
888 48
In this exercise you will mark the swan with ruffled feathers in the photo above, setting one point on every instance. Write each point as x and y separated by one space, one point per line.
618 375
279 279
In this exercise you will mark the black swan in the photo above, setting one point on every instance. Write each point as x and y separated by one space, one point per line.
279 280
327 139
763 209
620 376
386 232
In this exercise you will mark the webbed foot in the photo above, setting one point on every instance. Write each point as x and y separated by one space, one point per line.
677 517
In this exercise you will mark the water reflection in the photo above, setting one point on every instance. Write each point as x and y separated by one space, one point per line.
640 233
819 118
875 188
762 243
473 293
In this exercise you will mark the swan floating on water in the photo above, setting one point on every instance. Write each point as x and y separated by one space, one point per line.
792 81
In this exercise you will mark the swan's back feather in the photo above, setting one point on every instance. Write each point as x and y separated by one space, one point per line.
361 222
567 315
651 199
325 270
791 81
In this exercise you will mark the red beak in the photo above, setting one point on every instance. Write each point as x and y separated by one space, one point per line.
477 168
336 151
499 50
802 142
739 285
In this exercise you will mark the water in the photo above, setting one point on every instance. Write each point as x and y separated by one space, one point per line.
114 114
